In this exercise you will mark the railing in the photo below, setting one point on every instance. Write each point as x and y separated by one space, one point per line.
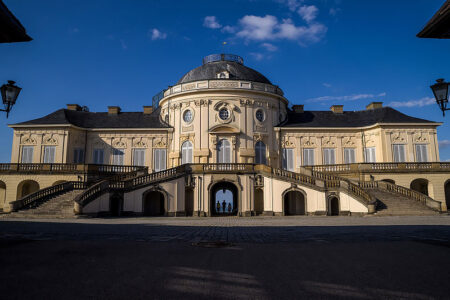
383 167
47 193
397 189
227 167
68 168
294 176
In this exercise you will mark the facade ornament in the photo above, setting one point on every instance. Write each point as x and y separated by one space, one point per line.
348 141
140 143
214 140
397 137
328 141
286 143
257 137
233 140
308 141
259 181
159 143
28 140
119 143
420 137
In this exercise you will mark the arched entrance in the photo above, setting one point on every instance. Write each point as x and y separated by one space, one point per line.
26 187
447 194
420 185
116 205
153 204
294 203
189 202
388 181
259 201
333 206
226 194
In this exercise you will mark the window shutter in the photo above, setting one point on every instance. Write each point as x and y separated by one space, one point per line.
162 162
290 160
156 160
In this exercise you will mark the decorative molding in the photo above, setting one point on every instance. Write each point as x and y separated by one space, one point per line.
398 137
187 128
28 140
308 141
328 142
286 143
139 143
159 143
420 137
348 141
119 143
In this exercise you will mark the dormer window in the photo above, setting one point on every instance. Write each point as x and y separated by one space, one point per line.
223 75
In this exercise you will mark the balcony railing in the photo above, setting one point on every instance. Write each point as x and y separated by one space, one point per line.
383 167
68 168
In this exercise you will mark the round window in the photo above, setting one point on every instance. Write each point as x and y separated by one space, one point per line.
224 114
187 116
260 115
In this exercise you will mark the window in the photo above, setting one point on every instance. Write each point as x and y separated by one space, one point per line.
260 115
369 155
27 154
421 153
288 159
49 154
138 157
78 156
159 160
187 116
308 157
118 157
399 152
349 156
186 153
224 114
260 153
329 157
223 151
98 156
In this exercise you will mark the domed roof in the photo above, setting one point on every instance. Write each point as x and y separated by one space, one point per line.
217 63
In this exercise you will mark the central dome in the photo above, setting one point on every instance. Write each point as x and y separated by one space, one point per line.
229 64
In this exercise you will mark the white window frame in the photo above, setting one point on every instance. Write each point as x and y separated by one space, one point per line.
224 151
288 159
139 157
308 156
78 155
187 155
159 159
260 153
421 152
98 156
49 154
329 156
349 155
370 155
27 154
399 152
118 156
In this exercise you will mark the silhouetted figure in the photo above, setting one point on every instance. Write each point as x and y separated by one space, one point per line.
224 206
229 208
218 206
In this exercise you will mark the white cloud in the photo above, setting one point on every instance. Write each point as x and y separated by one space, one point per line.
155 34
444 144
425 101
229 29
308 13
291 4
269 47
327 85
346 98
268 28
257 56
123 45
211 22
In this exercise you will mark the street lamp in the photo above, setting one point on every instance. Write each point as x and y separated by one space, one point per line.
440 91
9 95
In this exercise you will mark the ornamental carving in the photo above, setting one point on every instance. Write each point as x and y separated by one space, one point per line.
328 142
260 128
348 141
119 143
219 84
308 141
201 102
186 137
246 102
189 86
398 137
420 137
159 143
214 140
139 143
49 139
257 137
28 140
286 143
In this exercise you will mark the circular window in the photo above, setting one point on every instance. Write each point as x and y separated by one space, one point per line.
187 116
260 115
224 114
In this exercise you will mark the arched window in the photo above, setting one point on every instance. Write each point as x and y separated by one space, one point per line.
223 151
186 153
260 153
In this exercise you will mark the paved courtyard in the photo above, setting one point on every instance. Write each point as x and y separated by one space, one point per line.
226 258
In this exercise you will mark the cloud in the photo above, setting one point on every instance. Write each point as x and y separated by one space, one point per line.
229 29
257 56
211 22
334 11
425 101
308 13
346 98
268 28
291 4
327 85
444 144
269 47
155 34
123 45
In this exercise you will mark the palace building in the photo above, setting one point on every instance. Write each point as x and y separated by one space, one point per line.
225 132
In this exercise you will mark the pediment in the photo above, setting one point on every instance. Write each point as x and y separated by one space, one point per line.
224 128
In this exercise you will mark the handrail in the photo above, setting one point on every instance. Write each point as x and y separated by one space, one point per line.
68 168
390 167
409 193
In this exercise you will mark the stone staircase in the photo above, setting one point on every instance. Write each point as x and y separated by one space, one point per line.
60 206
390 204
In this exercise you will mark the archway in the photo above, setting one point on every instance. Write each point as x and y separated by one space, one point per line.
333 206
153 204
259 201
389 181
294 203
447 193
226 194
116 205
189 202
26 187
59 182
2 195
420 185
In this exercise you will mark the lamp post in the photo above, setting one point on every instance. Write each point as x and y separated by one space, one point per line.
440 91
9 95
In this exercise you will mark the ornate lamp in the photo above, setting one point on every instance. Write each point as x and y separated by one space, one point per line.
9 95
440 91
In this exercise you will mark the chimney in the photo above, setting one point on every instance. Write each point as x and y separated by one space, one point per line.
148 110
74 107
374 105
337 109
298 108
113 110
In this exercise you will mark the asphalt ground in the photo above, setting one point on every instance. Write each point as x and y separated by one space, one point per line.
226 258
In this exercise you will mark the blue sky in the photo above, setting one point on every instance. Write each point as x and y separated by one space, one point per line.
324 52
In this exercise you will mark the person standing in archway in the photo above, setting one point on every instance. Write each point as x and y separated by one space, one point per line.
224 206
218 206
229 208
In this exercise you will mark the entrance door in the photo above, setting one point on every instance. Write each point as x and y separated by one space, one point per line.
154 204
333 206
224 199
259 201
189 202
294 203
